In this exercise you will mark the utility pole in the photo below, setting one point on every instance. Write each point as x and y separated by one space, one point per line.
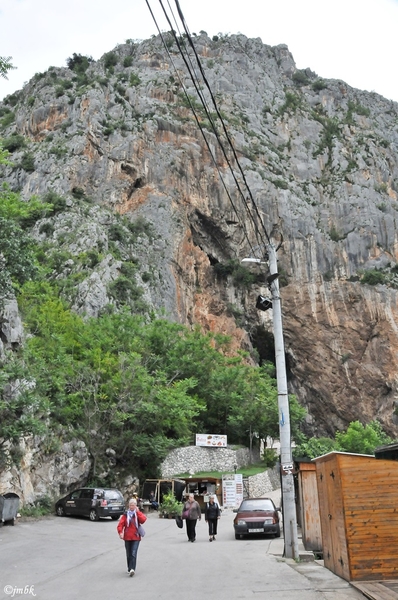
288 499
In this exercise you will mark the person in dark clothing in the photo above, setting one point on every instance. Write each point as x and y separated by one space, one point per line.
191 513
152 500
212 514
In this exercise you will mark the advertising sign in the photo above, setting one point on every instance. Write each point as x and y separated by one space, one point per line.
216 441
232 488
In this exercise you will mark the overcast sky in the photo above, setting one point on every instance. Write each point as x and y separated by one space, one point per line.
352 40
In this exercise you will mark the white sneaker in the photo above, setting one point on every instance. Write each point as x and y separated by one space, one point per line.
131 572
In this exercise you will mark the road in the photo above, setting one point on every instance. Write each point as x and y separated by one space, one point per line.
73 558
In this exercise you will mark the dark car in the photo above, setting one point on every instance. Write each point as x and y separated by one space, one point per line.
257 516
92 502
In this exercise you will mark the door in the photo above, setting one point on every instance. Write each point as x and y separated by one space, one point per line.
71 503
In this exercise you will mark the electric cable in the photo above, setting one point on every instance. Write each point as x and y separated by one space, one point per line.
219 115
194 112
180 44
204 104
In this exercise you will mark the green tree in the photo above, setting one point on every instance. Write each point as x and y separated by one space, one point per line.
22 410
362 439
5 66
357 438
314 447
79 63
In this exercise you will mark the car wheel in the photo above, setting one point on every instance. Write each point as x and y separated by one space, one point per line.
60 511
278 532
114 517
238 536
93 515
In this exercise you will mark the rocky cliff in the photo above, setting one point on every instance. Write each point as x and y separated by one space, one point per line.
117 141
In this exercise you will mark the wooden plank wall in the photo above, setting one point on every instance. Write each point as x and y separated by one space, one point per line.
330 497
370 492
309 505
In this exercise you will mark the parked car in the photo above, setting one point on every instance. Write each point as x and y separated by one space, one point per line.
92 502
257 516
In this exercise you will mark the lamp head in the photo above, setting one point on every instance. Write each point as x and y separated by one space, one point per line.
263 303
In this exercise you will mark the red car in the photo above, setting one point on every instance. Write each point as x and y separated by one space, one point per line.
257 516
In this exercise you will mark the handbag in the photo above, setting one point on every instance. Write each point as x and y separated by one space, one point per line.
141 530
185 514
179 522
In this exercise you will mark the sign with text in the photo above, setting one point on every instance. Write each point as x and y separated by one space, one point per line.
216 441
232 490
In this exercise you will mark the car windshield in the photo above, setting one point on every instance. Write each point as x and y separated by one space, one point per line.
113 495
254 505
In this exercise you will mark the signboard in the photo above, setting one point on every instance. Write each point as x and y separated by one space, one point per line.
216 441
232 490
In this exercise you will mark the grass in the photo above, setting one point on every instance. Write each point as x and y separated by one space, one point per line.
246 471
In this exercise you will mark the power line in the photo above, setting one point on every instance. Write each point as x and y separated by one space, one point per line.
191 70
221 120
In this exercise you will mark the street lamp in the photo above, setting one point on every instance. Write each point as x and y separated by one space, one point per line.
288 501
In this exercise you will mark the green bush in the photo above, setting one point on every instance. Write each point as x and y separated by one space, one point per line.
110 60
140 226
28 162
78 193
362 439
300 78
241 276
58 202
134 80
8 118
170 505
373 277
128 61
46 228
117 233
43 506
79 63
318 85
292 103
14 142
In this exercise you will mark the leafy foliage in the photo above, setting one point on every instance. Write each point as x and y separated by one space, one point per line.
140 386
373 277
358 438
362 439
5 66
79 63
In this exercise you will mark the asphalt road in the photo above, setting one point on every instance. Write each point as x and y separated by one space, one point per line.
72 558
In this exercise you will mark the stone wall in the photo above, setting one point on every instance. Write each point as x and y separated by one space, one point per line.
263 483
195 459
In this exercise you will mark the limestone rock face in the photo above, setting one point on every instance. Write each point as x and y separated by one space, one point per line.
320 159
43 473
11 329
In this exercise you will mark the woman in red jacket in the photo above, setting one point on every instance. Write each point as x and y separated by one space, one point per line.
128 530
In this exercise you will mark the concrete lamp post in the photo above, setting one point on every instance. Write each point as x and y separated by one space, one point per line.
288 500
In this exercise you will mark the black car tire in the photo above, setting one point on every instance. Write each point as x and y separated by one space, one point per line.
114 517
278 532
93 515
238 536
60 511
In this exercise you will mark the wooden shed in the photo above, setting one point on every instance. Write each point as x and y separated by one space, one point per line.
358 503
308 505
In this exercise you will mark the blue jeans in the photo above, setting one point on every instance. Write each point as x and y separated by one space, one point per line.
131 553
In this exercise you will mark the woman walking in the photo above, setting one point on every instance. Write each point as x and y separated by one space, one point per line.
128 528
212 514
191 513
